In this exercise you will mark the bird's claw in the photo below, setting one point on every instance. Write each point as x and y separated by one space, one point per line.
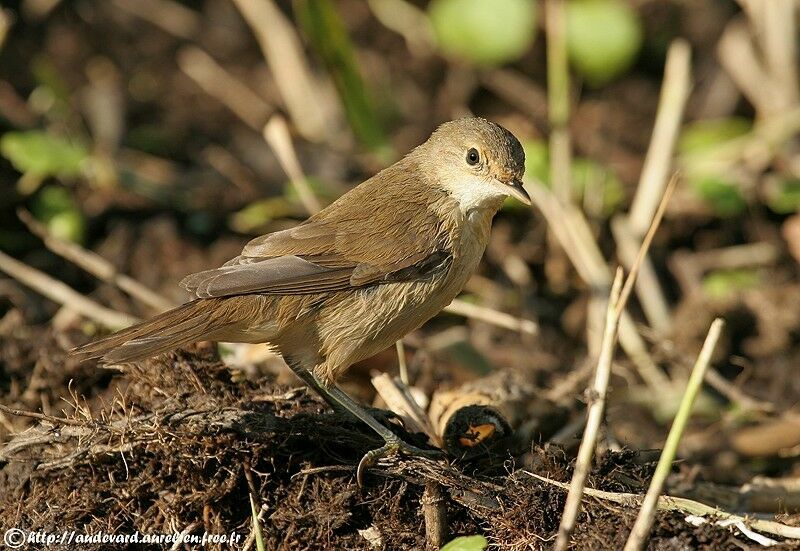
391 447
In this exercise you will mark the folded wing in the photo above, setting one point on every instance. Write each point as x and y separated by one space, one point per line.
332 253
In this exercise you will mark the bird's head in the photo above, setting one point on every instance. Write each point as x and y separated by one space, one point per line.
477 162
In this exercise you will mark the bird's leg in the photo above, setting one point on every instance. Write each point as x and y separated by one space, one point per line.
309 379
393 443
339 401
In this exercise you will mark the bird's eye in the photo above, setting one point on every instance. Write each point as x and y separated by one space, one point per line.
472 156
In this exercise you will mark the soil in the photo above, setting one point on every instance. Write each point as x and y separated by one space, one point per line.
182 442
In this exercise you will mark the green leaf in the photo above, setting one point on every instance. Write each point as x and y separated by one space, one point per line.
723 197
467 543
318 187
258 536
256 215
603 38
705 135
586 174
537 160
56 209
589 175
784 198
328 35
482 32
724 283
42 154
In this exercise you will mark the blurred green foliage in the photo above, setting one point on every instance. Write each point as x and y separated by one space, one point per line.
699 142
38 154
328 36
784 196
722 196
484 33
55 207
257 215
467 543
603 38
586 176
706 135
725 283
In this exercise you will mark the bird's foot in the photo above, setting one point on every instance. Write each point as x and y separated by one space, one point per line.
391 447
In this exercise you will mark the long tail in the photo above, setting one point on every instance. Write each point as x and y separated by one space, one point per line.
183 325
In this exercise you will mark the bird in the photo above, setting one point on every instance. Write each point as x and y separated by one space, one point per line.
352 279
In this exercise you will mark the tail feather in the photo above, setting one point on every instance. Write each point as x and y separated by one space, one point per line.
182 325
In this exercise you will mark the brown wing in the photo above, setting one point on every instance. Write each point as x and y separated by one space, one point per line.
360 240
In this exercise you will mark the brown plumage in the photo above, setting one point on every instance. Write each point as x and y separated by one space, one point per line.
352 279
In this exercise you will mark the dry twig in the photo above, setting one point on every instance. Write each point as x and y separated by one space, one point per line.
61 293
670 503
615 309
489 315
594 417
95 265
276 134
302 92
218 83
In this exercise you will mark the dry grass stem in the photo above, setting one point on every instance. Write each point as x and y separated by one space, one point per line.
218 83
641 256
408 21
687 506
519 90
594 417
95 265
63 294
399 399
648 287
276 133
402 364
310 107
571 228
169 16
616 307
658 162
644 521
558 97
461 307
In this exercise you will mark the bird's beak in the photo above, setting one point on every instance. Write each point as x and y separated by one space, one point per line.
518 192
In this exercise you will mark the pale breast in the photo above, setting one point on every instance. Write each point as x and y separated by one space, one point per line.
371 319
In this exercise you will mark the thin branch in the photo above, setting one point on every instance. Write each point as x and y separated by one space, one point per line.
434 509
641 529
95 265
461 307
218 83
309 107
276 134
61 293
684 505
594 417
558 99
42 417
674 93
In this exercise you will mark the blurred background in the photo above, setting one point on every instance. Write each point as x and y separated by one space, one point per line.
164 134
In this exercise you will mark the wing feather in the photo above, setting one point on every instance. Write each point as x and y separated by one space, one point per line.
352 243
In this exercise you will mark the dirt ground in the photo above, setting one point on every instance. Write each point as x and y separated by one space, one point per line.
179 181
